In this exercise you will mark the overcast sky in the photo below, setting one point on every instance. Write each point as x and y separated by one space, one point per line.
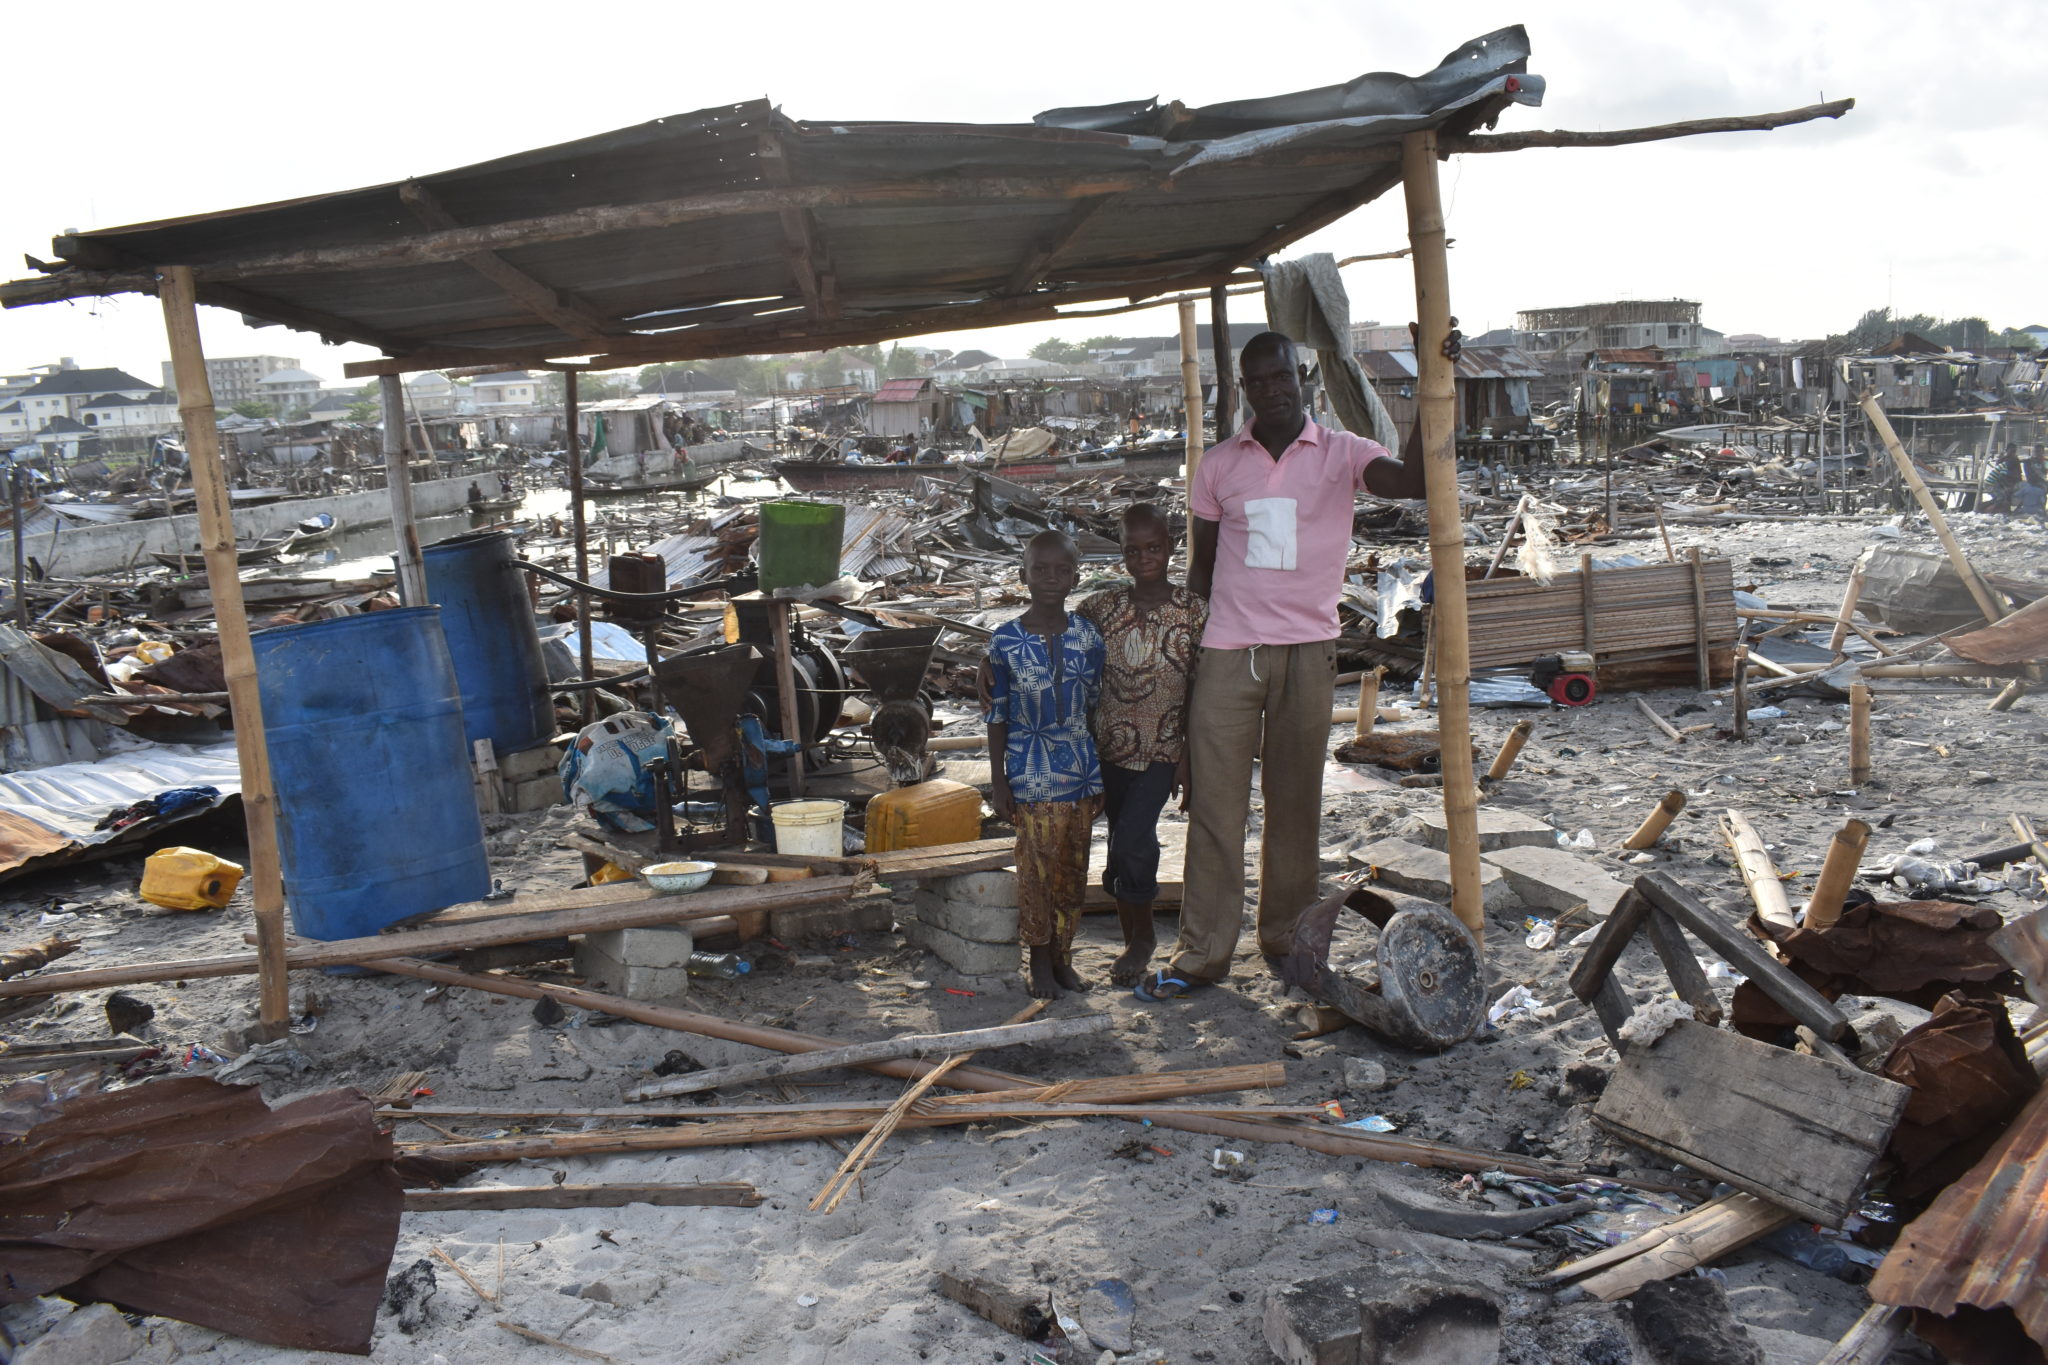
1929 196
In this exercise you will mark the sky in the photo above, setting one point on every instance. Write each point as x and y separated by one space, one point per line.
1927 197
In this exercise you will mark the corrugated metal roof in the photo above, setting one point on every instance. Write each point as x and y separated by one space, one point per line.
70 798
736 229
902 390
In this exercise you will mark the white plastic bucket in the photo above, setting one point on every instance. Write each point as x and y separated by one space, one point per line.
809 828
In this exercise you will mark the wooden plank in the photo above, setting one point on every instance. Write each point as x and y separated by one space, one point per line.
1699 617
1021 1315
1871 1340
1700 1238
630 912
1786 1127
1605 949
1746 955
1682 967
722 1194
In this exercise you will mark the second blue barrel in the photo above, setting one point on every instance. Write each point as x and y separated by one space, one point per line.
488 619
376 807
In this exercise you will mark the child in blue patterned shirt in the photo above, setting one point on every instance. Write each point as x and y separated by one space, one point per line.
1045 675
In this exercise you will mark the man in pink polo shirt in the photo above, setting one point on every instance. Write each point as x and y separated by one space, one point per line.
1270 510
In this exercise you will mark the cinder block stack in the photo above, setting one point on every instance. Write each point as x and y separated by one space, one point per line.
969 922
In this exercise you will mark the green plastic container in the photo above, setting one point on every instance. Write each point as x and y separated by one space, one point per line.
800 543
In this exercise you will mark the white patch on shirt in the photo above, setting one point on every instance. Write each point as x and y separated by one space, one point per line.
1272 543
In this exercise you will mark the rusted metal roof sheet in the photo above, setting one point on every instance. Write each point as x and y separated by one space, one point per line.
736 228
903 390
2021 638
1984 1241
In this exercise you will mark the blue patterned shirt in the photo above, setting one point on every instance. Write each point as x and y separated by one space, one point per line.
1051 752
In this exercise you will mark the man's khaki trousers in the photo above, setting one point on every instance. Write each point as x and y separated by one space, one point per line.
1270 704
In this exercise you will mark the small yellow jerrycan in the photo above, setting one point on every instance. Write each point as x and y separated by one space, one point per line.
189 879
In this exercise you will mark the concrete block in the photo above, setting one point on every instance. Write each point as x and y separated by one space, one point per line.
526 764
648 965
981 923
1497 829
996 889
1553 879
1420 871
1315 1322
536 793
863 915
964 955
1365 1317
94 1335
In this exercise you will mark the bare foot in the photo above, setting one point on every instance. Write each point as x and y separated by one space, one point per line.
1131 965
1041 978
1064 973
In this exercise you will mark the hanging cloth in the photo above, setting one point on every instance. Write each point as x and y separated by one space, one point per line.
1305 300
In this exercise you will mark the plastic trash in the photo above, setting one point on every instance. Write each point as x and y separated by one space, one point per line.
1223 1159
1542 933
1324 1217
724 966
1800 1242
189 879
1519 1000
1372 1123
1912 874
1766 712
1924 848
1583 840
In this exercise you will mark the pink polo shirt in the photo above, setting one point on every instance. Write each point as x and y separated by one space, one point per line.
1283 535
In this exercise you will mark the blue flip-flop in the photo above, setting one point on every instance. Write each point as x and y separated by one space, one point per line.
1156 989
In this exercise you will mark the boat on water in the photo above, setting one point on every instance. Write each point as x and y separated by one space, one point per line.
315 531
246 552
662 469
504 502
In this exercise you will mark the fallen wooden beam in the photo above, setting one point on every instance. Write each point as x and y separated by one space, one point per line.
1698 1238
1745 954
882 1050
1871 1340
632 907
727 1194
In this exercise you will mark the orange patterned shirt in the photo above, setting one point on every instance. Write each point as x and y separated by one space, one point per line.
1148 666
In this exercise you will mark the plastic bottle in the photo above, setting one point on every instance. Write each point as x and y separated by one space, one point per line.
724 966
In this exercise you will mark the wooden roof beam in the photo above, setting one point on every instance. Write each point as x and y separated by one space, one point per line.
563 309
1032 271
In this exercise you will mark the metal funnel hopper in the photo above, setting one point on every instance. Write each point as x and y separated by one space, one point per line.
706 691
891 663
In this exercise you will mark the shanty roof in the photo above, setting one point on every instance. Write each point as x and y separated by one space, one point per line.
737 229
902 390
280 378
1474 362
84 381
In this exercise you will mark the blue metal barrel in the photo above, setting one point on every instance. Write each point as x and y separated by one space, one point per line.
376 808
488 620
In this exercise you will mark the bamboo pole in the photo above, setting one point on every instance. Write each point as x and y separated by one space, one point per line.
1742 691
1852 593
238 659
581 530
1670 730
1758 872
1510 750
785 693
1699 618
1945 668
2006 699
1656 822
1368 701
1845 854
1437 405
412 573
1191 387
1987 600
1859 734
1507 537
881 1050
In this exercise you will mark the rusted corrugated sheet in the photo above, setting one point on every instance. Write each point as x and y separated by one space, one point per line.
2021 638
1984 1241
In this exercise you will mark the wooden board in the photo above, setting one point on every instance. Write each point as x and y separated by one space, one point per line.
1513 621
1793 1129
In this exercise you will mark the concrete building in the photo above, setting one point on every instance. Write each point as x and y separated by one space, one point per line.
65 392
1626 324
234 378
508 389
288 392
121 413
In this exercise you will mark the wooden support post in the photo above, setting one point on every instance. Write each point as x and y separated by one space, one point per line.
1859 734
1219 346
1656 822
17 479
1510 750
1507 537
1987 600
1759 874
1845 854
581 531
238 660
412 573
1699 619
1742 691
1851 594
1368 701
1586 601
785 691
1191 387
1436 403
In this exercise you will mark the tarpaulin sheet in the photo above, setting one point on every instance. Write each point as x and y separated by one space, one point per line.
197 1201
2021 638
1969 1074
1305 299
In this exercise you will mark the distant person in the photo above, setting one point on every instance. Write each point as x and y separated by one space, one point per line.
1045 676
476 494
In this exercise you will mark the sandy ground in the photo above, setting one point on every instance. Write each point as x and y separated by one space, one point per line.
1056 1206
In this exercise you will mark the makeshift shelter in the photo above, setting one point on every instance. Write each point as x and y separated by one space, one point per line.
905 407
737 229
